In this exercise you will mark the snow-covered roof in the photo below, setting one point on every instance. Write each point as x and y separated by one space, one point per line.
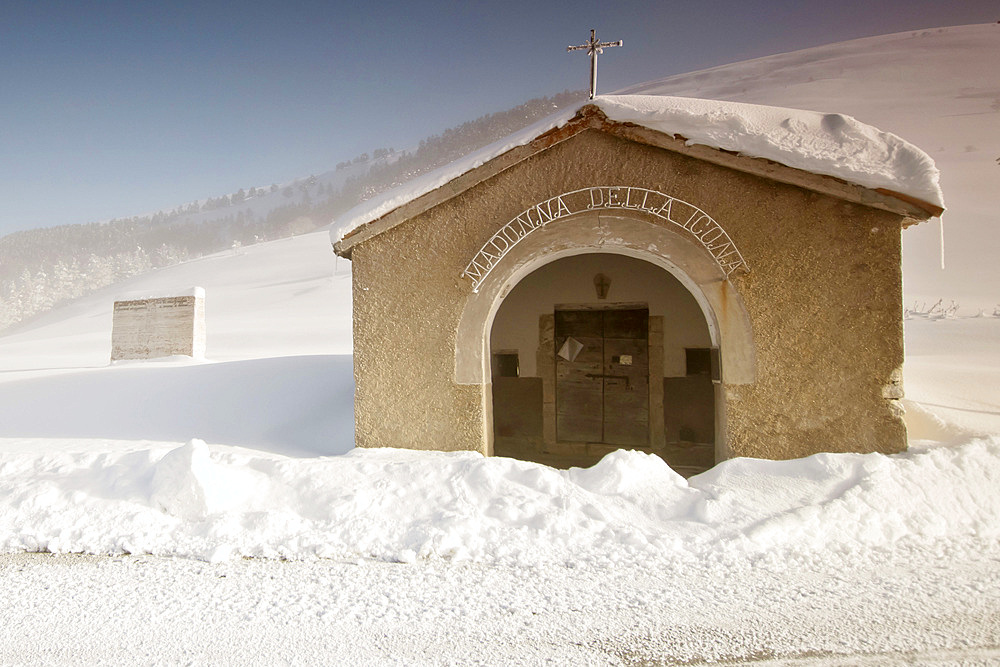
828 144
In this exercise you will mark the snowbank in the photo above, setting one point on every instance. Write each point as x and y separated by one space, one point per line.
823 143
217 502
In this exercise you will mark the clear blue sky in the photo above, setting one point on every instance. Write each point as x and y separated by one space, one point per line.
110 109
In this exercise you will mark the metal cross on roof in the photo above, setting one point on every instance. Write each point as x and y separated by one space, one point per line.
593 47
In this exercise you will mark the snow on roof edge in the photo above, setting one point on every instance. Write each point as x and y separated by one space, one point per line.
390 200
828 144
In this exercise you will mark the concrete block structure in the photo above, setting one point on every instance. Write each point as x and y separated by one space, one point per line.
159 326
608 285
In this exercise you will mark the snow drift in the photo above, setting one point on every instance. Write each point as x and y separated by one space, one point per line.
219 502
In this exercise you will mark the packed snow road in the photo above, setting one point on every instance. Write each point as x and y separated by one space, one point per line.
926 605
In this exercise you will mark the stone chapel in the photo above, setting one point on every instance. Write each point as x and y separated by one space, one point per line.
692 279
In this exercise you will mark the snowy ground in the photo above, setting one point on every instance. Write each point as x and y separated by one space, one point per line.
361 557
276 543
926 606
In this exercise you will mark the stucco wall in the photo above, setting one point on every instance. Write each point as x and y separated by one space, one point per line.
823 298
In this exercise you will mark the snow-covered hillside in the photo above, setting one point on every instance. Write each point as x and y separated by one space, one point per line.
939 89
286 297
249 453
279 337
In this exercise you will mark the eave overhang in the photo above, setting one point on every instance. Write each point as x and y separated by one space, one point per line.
590 117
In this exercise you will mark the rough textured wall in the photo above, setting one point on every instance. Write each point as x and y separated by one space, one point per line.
404 342
159 327
823 297
827 315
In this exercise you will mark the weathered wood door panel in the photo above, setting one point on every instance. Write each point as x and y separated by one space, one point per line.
626 391
602 376
579 359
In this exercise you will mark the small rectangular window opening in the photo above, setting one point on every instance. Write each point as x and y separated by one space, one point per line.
505 364
703 361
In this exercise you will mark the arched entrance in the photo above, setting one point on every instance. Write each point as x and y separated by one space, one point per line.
643 235
598 351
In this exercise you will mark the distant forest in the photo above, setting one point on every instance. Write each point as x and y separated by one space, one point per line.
41 268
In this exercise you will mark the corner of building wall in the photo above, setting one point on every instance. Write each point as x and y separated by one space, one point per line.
737 350
893 394
723 447
199 340
486 442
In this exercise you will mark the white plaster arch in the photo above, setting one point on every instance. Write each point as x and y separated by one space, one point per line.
630 233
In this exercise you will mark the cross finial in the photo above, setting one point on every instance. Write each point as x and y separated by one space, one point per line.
593 47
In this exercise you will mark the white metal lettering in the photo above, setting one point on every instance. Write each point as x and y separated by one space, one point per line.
698 223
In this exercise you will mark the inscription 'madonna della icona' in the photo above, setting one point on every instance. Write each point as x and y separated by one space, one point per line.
690 218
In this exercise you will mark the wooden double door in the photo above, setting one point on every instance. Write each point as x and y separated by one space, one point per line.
602 376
